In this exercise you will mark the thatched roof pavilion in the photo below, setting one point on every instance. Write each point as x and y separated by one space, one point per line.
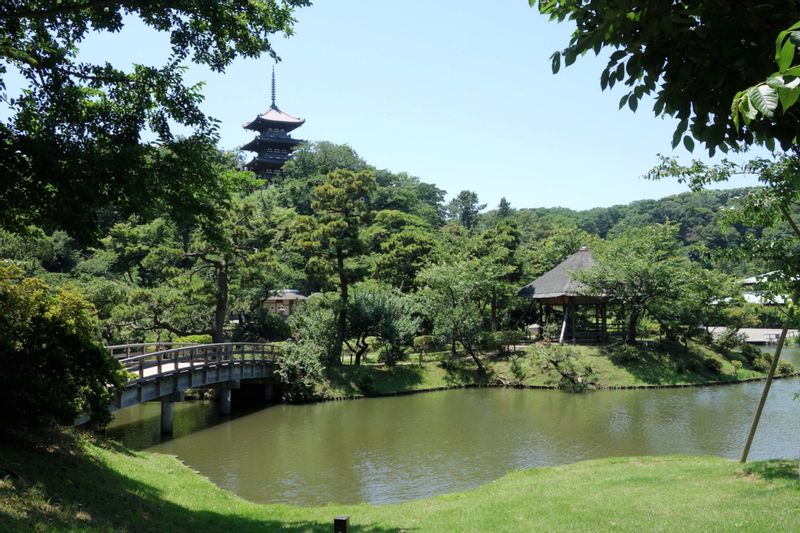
558 287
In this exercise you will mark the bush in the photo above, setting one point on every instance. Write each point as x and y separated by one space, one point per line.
551 331
750 352
365 382
626 355
712 365
52 367
565 369
762 363
299 368
518 368
424 344
786 368
737 365
730 339
487 341
391 354
262 326
504 339
195 339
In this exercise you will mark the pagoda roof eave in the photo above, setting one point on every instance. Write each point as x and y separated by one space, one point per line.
253 145
274 117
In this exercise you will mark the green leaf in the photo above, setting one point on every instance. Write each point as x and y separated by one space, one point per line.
633 103
616 56
786 56
764 99
570 56
788 97
794 37
623 101
688 142
555 62
676 138
658 107
770 143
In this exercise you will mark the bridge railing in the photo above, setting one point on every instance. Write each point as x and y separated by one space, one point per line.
124 351
186 358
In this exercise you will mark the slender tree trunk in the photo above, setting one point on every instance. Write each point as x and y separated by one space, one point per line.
221 307
633 320
494 311
474 356
341 324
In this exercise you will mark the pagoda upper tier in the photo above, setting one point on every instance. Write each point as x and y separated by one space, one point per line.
273 144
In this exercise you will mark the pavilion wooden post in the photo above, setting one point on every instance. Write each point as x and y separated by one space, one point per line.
603 320
572 321
764 394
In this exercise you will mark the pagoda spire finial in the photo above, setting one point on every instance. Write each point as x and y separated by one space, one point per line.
273 87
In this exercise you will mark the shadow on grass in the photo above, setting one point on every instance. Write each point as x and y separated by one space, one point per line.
775 470
462 371
372 379
58 487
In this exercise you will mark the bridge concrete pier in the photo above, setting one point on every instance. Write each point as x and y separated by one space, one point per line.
224 396
168 411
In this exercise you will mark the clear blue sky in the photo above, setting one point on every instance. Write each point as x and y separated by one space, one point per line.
457 92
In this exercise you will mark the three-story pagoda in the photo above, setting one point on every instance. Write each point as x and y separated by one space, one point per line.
273 145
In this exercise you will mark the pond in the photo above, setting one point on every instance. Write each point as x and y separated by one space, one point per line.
401 448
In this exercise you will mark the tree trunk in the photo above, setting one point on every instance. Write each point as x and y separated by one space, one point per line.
633 320
341 324
494 311
221 307
474 356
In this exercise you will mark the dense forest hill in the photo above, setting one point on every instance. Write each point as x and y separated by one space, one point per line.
331 223
698 215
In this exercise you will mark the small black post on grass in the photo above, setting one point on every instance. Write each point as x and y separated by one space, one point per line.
340 524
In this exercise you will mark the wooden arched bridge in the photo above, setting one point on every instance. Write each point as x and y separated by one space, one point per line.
163 370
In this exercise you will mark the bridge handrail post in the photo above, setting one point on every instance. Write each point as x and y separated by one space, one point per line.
191 358
141 368
158 363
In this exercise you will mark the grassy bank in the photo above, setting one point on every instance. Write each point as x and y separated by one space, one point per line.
82 484
613 366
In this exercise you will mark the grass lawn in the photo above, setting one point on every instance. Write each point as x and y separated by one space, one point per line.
614 366
80 484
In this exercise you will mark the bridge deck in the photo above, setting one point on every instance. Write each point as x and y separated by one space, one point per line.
160 369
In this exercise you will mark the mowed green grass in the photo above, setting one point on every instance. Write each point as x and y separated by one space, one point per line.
87 485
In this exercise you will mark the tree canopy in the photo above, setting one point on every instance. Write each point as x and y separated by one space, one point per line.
74 135
691 56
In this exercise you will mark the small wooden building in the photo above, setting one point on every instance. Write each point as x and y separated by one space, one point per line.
557 287
284 302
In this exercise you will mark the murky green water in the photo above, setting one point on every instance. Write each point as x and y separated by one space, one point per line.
395 449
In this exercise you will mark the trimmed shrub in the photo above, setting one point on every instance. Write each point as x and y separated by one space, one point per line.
424 344
786 368
762 364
